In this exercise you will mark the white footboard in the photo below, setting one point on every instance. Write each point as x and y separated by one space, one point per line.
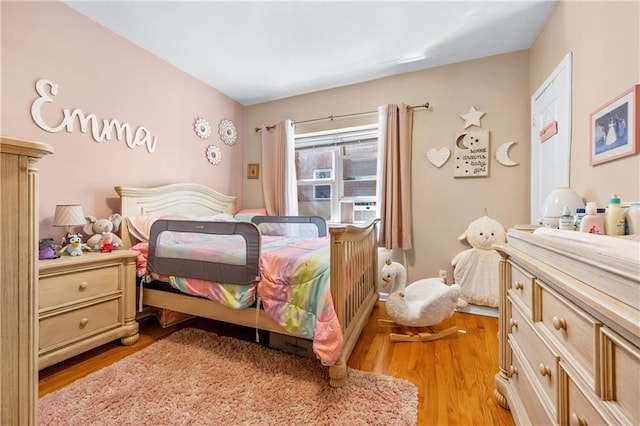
354 281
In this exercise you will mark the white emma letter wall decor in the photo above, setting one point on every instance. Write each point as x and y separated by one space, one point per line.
141 136
471 154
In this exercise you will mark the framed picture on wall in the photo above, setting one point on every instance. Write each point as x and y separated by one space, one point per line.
253 171
614 128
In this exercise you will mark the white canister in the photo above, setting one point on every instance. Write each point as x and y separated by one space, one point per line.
633 218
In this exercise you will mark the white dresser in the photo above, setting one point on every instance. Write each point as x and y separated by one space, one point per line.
569 332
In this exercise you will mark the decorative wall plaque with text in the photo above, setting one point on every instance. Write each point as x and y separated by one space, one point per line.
471 154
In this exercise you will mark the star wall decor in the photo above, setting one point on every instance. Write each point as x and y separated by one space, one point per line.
472 118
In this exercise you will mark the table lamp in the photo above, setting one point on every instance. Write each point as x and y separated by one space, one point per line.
68 215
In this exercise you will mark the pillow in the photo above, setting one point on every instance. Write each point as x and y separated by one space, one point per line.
220 217
140 225
245 215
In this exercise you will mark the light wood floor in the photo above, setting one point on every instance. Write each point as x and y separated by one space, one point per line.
454 375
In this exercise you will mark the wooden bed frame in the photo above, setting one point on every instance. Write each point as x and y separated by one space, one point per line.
354 265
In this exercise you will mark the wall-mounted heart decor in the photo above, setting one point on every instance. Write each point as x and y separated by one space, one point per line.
438 157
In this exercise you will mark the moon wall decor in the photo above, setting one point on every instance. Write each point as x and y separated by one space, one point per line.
438 157
502 154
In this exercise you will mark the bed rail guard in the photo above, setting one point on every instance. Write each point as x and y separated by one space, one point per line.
207 270
318 221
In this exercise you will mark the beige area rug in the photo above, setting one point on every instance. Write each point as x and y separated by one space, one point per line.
194 377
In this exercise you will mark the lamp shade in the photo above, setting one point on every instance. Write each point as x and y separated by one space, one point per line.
555 202
68 215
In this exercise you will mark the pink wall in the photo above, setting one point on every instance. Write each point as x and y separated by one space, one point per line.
99 72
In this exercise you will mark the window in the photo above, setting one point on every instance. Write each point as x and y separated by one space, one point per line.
322 192
337 173
322 174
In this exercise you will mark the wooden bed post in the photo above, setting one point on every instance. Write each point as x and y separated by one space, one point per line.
354 282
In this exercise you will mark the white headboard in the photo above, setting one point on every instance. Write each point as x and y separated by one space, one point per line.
175 198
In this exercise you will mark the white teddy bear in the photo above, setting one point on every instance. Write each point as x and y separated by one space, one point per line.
97 227
477 269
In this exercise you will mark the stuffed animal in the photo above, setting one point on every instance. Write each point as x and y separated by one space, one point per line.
96 228
74 245
477 269
46 249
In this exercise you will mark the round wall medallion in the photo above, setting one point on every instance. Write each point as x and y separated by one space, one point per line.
202 128
214 155
228 132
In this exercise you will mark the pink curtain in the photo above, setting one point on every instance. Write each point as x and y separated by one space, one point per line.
278 169
396 125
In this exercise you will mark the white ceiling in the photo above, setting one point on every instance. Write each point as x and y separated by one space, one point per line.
258 51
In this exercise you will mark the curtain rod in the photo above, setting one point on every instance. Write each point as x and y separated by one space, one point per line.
331 117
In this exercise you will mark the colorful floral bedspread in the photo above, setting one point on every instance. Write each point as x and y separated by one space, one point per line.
295 290
294 287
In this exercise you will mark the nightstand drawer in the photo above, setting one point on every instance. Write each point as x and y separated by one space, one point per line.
575 331
63 288
76 324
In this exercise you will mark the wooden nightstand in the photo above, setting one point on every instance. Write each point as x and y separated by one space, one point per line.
85 301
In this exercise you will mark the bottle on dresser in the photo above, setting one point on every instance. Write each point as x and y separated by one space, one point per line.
592 222
614 220
633 218
566 221
580 213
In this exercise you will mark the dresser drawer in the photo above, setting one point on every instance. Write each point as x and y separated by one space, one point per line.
575 332
63 288
621 376
527 392
537 355
78 323
522 285
581 409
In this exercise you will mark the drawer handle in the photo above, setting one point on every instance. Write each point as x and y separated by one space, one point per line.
513 323
519 285
84 285
559 323
544 370
84 321
513 371
577 421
